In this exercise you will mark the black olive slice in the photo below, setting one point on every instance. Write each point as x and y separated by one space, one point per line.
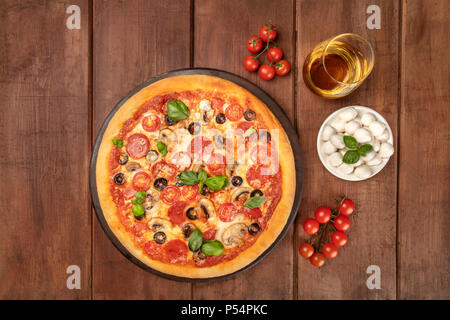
236 181
160 184
123 158
221 118
256 192
159 237
254 228
191 213
119 179
194 128
187 229
141 217
249 115
265 133
205 190
169 122
178 182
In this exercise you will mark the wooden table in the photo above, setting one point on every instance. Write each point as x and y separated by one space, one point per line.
57 85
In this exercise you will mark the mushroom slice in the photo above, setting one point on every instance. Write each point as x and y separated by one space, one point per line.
230 169
199 257
234 234
132 166
207 208
151 199
167 136
158 224
240 192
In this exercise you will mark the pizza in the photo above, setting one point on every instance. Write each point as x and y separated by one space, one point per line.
195 176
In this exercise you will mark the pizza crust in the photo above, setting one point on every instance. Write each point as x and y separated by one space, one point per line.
208 83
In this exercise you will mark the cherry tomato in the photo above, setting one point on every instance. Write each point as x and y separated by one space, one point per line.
266 72
234 112
339 238
190 193
216 163
311 226
342 222
317 259
170 194
268 32
151 123
254 44
322 214
347 207
209 234
329 250
142 181
306 250
251 63
282 67
274 54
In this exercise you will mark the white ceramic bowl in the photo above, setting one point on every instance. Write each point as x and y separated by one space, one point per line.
351 177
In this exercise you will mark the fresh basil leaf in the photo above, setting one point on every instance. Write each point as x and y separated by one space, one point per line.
249 132
202 175
254 202
212 248
195 240
364 149
162 148
177 110
138 210
200 186
350 142
351 157
217 183
189 178
118 143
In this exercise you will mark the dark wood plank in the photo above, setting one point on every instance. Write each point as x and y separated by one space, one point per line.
221 30
44 197
372 238
133 41
424 171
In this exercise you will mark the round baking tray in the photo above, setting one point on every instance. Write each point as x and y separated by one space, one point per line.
260 94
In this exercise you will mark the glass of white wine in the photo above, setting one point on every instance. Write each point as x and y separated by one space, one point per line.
339 65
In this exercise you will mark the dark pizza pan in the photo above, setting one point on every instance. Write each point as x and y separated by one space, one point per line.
260 94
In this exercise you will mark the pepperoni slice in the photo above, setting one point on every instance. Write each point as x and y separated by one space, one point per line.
137 145
182 160
176 212
234 112
201 148
253 213
257 175
129 192
242 127
209 234
164 169
151 123
153 249
227 212
263 153
114 159
216 163
176 251
170 194
142 181
138 228
190 193
217 104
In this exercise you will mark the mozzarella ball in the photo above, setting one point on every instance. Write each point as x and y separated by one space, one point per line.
367 118
348 114
384 136
338 141
345 168
363 172
386 150
327 133
375 161
328 148
335 159
363 135
376 145
376 128
358 163
369 156
205 105
343 151
351 127
338 124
